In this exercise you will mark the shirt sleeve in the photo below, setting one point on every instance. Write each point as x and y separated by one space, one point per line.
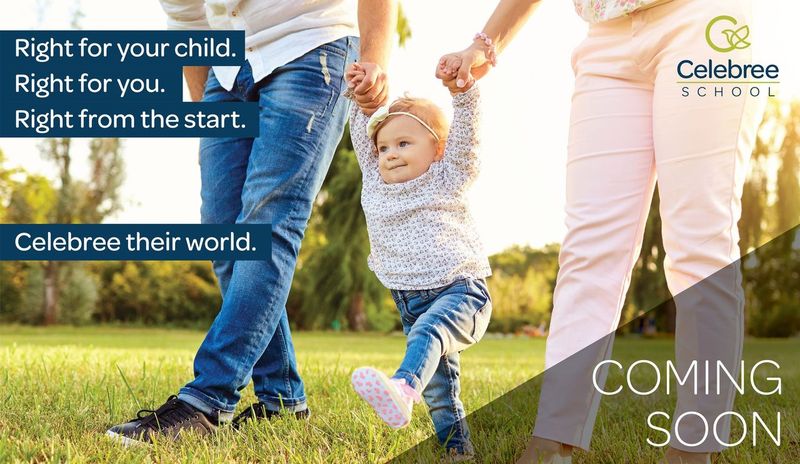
363 146
185 15
462 146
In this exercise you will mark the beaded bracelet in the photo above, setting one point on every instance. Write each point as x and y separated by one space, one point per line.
491 52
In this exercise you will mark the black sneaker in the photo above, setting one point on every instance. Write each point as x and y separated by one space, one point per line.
257 411
168 420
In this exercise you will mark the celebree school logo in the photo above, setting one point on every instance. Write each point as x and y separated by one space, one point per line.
724 34
736 38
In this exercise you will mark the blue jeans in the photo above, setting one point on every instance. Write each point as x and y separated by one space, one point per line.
439 324
274 179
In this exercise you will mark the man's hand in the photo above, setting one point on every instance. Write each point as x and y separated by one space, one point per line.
196 81
377 20
369 86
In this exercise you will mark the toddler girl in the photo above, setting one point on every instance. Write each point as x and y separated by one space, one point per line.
426 249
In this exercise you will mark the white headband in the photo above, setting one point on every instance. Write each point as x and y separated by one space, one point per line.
383 112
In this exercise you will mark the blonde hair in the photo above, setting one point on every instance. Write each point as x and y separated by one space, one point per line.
422 108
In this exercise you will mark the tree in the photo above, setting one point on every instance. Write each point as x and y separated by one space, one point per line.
648 288
770 206
81 202
24 198
156 292
788 184
57 150
9 283
772 271
757 221
6 185
771 274
522 285
77 202
753 222
342 282
335 278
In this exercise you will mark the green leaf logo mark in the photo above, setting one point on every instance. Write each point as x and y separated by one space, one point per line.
735 38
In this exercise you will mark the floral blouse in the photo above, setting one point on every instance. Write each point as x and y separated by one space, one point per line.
421 232
596 11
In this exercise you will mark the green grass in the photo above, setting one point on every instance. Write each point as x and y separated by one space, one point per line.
61 388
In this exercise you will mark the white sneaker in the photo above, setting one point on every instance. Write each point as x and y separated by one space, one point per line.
392 399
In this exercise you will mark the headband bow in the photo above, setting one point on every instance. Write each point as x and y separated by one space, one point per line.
383 112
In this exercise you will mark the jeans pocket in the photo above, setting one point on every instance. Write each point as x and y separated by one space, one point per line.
340 54
483 315
484 289
481 321
332 62
337 47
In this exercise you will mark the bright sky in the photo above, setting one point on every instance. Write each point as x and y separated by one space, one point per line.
520 195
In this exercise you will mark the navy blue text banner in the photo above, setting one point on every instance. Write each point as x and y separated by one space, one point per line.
116 84
135 242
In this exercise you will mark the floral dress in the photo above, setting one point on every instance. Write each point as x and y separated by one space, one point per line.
596 11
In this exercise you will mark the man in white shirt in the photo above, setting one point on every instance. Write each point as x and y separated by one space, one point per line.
297 53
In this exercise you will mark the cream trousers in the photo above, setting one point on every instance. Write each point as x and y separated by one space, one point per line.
630 125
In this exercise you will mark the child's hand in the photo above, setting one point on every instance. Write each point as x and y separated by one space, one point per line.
449 65
448 73
367 85
354 75
466 66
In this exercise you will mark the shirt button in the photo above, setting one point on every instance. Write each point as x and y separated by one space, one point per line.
249 49
234 13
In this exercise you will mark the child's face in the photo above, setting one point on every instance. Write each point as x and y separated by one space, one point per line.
405 149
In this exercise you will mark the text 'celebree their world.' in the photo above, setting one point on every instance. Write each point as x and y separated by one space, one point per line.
115 84
162 242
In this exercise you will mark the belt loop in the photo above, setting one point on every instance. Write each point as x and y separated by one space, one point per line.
354 48
403 300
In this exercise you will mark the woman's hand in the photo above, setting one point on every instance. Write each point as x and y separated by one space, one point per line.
469 65
459 71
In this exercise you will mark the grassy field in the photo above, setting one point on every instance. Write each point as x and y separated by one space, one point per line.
61 388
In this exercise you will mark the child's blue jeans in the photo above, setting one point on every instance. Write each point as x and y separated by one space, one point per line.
440 323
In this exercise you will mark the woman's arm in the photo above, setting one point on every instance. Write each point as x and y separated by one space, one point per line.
460 70
507 19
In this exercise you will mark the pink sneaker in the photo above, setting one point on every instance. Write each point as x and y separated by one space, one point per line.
392 399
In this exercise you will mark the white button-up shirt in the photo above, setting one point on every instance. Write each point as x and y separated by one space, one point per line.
276 31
